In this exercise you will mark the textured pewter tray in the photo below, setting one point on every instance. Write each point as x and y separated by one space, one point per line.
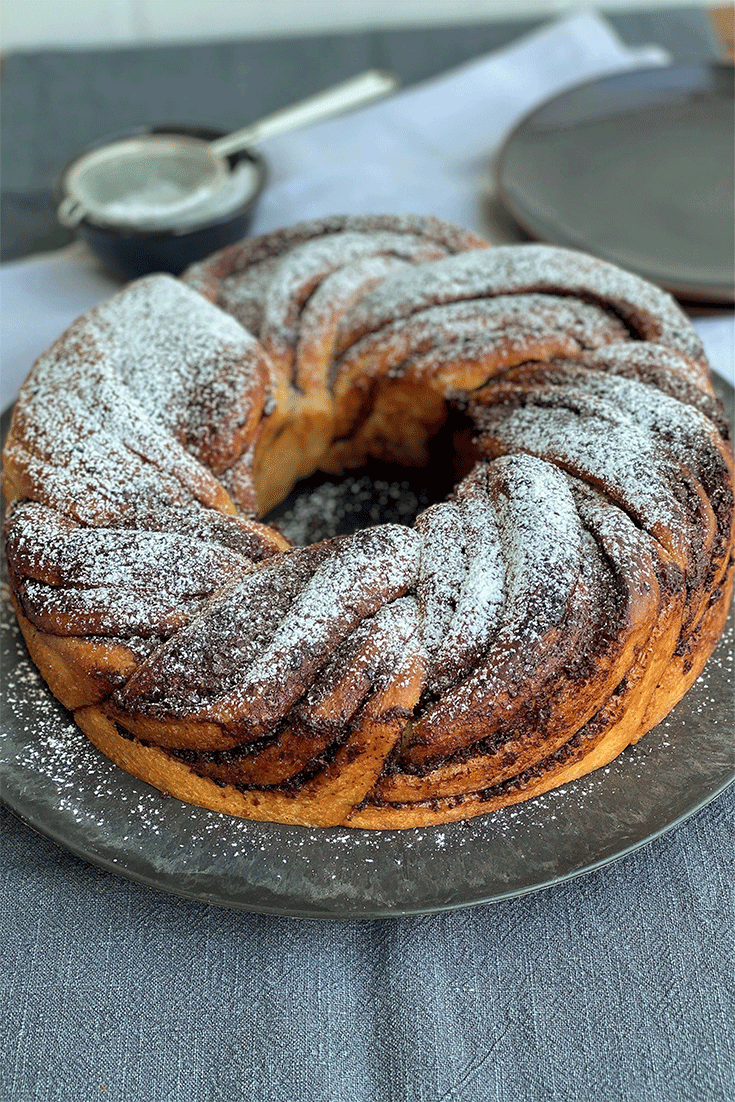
60 785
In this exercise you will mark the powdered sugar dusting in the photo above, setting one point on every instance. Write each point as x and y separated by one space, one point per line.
317 330
256 647
540 532
189 365
205 659
590 438
520 269
367 660
463 581
364 572
442 571
541 539
307 265
483 324
686 431
482 592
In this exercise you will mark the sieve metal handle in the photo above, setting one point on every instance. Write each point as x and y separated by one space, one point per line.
70 212
357 92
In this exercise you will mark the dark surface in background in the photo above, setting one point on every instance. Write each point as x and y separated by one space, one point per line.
57 101
665 134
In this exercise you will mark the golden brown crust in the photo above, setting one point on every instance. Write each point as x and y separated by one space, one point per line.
644 700
78 671
325 799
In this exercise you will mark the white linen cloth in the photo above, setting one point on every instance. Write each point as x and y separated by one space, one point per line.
427 150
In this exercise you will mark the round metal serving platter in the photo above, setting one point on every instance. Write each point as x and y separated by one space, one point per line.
61 786
636 168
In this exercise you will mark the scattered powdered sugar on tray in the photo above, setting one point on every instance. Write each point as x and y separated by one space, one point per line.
338 508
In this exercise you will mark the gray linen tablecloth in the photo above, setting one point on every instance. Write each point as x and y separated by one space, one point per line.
614 986
611 988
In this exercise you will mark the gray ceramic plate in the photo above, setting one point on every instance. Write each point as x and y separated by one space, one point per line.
636 168
62 787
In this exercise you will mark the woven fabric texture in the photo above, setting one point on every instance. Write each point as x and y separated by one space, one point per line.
617 985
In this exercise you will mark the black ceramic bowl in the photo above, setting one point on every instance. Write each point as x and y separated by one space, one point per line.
131 253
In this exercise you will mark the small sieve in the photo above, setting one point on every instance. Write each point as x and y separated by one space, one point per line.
158 180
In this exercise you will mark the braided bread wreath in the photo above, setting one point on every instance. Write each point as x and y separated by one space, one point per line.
519 635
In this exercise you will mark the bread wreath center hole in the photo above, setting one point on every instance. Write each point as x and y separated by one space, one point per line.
378 492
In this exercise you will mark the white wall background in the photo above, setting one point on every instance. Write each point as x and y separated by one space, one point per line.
33 24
